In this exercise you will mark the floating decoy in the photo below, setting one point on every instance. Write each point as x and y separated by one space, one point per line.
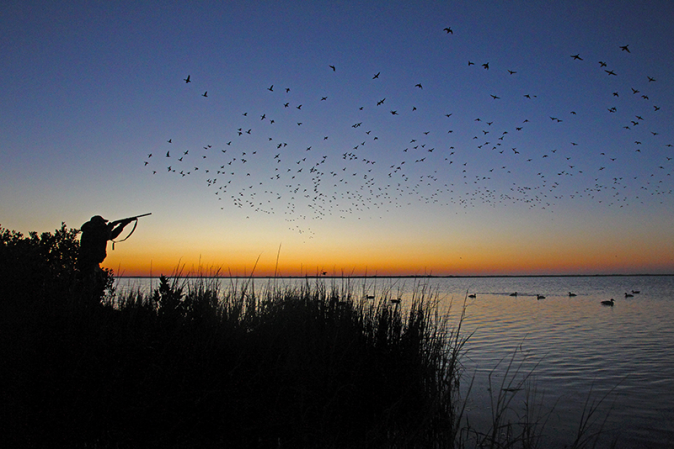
636 292
608 303
572 294
540 297
513 294
472 295
629 295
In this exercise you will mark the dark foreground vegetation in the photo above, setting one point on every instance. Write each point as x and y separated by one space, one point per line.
196 365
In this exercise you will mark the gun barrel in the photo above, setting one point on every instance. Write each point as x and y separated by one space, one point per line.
131 218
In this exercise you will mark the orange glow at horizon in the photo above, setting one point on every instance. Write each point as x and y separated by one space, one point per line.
519 244
485 263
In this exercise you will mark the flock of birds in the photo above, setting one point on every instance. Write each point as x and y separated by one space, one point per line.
265 165
610 302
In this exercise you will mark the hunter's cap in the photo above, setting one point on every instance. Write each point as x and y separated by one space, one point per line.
98 219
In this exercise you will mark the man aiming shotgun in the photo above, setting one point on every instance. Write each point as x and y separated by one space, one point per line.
93 249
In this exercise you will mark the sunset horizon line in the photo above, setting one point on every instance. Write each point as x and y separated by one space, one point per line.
389 276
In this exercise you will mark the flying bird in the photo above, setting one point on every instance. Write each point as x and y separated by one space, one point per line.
625 48
187 80
577 57
376 75
205 94
448 30
333 68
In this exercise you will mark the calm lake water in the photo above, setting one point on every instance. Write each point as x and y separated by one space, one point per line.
569 349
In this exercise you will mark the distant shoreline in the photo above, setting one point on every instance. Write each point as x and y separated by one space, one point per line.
404 276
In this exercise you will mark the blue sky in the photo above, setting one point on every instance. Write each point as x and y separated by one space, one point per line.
550 179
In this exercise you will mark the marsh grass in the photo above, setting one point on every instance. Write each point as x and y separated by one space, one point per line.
195 364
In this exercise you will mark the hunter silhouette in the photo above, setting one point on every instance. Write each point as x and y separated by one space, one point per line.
93 251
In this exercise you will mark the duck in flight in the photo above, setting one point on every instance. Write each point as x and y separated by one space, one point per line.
187 80
448 30
577 57
625 48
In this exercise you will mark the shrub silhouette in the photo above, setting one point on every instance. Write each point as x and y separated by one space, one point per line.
39 268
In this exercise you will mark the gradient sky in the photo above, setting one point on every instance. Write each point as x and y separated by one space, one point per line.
567 171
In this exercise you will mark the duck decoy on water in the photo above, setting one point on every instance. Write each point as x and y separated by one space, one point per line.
608 303
636 292
629 295
572 294
513 294
540 297
472 295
